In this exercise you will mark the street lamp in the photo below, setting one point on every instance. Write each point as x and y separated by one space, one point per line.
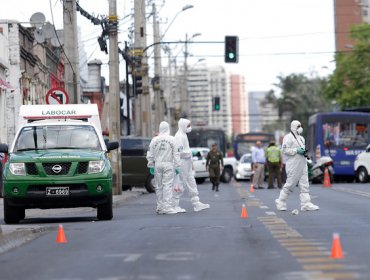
186 7
158 97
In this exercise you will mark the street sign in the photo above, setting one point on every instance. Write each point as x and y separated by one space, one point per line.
57 96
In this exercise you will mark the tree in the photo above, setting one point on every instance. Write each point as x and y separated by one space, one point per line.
349 85
300 98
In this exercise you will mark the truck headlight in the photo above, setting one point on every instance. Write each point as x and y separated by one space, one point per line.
18 169
96 166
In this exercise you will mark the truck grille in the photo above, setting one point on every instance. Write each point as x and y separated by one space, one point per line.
82 167
57 168
31 168
54 168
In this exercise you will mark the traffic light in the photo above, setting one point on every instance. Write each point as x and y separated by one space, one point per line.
216 103
138 79
231 49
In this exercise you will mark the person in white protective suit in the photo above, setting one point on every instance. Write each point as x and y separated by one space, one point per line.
293 149
186 174
163 160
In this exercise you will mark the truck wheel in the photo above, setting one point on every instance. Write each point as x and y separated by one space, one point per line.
105 210
200 180
362 175
126 188
149 185
227 175
12 215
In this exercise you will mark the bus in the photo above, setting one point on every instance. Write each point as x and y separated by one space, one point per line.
243 142
205 136
340 135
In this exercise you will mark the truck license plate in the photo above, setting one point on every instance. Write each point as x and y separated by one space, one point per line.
57 191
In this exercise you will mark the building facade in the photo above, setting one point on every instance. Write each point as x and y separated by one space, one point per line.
238 104
255 113
31 70
203 85
348 13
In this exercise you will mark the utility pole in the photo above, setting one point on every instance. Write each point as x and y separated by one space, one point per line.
157 85
114 90
72 68
142 102
127 91
184 93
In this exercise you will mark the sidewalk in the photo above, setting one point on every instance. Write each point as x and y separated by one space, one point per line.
12 236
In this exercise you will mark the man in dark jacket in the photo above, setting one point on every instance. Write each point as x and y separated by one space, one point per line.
215 165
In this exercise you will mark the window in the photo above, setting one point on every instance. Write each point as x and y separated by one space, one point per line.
342 134
57 137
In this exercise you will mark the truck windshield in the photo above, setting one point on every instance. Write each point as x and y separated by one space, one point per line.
57 137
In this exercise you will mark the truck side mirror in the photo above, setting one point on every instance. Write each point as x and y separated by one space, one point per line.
4 148
112 145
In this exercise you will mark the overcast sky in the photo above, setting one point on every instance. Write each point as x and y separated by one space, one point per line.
276 37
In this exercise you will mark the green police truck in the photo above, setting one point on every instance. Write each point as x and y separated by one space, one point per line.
58 160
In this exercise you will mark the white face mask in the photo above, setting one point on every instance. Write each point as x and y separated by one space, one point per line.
188 129
300 130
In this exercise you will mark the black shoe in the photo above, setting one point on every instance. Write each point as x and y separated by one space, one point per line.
217 189
271 188
213 188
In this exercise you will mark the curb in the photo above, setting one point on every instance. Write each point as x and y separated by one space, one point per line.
12 237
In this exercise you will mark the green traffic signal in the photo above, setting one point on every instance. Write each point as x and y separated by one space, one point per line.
216 103
231 49
231 55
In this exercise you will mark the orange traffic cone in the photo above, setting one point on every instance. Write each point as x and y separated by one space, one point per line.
336 248
327 183
251 189
61 238
244 213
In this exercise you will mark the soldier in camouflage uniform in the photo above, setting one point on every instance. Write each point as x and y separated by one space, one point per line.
215 165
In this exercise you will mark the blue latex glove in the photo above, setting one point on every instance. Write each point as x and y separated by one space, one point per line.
300 151
177 171
151 170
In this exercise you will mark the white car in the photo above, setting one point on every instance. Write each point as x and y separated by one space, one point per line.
244 169
362 166
199 164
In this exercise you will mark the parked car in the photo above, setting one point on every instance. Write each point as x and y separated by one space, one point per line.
199 163
244 169
362 166
135 172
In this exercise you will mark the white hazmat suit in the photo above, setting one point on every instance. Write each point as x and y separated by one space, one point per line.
296 169
164 157
186 174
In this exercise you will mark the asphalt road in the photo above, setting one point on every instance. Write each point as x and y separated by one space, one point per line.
212 244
